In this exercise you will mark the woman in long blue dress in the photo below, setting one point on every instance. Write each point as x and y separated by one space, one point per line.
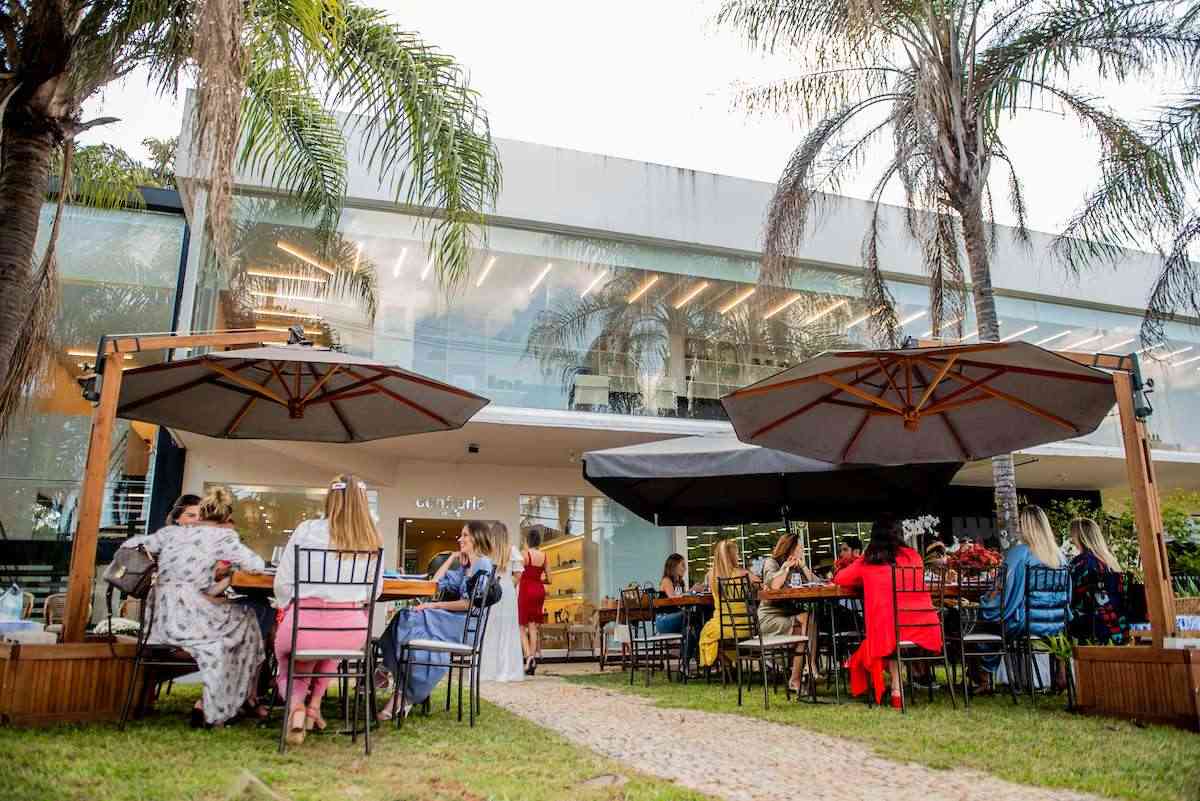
436 620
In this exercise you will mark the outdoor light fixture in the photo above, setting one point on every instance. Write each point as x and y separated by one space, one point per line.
1122 343
1016 334
283 313
946 324
861 319
307 258
487 268
912 317
1048 339
286 276
827 311
1175 353
1188 360
782 306
690 296
541 277
971 335
1087 341
644 288
425 272
357 257
282 296
399 262
91 353
742 297
595 282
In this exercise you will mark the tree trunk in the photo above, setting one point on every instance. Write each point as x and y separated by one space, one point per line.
1004 473
26 168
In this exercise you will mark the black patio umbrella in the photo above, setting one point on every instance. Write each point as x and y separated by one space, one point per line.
946 403
293 392
717 480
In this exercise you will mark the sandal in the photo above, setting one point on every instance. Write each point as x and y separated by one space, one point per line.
296 721
315 721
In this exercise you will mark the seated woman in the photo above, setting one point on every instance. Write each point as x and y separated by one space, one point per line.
1097 588
672 585
346 526
873 573
725 565
222 637
779 619
436 620
1038 549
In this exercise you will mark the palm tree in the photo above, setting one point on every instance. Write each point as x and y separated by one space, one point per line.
162 158
266 74
933 83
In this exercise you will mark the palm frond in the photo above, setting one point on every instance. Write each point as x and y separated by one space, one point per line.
1177 287
817 94
102 176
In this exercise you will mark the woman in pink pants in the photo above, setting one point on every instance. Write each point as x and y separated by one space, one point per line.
347 526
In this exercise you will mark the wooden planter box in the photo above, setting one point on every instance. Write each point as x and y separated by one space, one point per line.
41 684
1139 683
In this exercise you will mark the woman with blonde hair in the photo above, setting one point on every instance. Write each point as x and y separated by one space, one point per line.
339 610
222 637
1097 588
500 657
726 564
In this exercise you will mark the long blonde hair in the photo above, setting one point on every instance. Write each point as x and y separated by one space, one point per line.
1089 535
1036 531
349 514
216 506
501 552
724 562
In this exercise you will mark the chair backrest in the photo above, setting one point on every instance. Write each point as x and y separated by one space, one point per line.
321 567
478 612
736 608
916 593
637 612
1047 597
55 608
973 588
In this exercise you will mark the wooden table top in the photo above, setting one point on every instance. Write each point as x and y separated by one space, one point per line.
393 589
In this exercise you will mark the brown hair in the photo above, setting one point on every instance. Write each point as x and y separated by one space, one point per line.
784 546
181 504
349 515
669 567
481 532
217 506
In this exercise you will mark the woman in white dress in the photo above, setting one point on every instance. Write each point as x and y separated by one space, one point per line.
500 656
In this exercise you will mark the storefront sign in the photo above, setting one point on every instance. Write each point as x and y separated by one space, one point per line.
450 504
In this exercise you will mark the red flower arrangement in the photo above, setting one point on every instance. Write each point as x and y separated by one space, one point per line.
974 558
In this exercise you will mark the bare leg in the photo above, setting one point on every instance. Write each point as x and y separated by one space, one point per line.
535 641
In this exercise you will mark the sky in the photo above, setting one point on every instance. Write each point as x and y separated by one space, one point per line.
650 80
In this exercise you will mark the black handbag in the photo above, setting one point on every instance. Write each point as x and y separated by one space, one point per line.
494 592
132 572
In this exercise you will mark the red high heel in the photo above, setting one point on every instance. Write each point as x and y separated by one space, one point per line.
897 701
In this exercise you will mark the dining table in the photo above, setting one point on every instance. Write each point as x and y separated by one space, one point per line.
394 589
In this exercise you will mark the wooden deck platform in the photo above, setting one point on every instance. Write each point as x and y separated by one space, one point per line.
1139 683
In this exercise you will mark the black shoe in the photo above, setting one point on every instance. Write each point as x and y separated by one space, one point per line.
533 666
196 719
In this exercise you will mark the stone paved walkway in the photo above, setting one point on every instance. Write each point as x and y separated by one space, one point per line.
739 758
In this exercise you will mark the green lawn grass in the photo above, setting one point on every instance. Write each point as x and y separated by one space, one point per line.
432 759
1046 746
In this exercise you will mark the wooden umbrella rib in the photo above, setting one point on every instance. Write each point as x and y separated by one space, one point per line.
957 439
854 438
859 393
810 405
344 396
241 414
337 412
1022 404
948 406
401 399
245 382
890 380
1038 371
427 382
937 379
275 371
747 392
341 392
184 387
328 375
963 390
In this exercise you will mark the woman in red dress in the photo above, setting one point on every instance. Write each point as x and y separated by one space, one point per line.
873 573
531 596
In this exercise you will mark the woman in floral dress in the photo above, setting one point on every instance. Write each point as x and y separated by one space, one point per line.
1097 588
222 637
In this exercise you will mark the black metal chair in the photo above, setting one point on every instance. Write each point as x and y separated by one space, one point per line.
646 646
739 620
1048 601
316 567
964 635
462 655
154 664
918 592
843 635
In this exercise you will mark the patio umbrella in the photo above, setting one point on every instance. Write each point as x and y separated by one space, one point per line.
293 392
952 403
719 480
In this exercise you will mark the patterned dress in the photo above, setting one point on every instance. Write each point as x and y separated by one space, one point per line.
1097 602
222 637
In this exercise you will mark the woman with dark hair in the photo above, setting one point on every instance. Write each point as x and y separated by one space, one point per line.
185 511
782 619
873 573
531 597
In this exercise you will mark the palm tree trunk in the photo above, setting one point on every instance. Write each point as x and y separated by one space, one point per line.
1004 473
23 176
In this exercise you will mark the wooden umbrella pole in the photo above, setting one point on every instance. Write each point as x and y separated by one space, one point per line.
91 500
1160 598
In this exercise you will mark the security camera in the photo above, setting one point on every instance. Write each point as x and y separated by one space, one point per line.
473 447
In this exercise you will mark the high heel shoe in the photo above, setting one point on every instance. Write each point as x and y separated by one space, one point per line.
296 722
314 720
897 701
